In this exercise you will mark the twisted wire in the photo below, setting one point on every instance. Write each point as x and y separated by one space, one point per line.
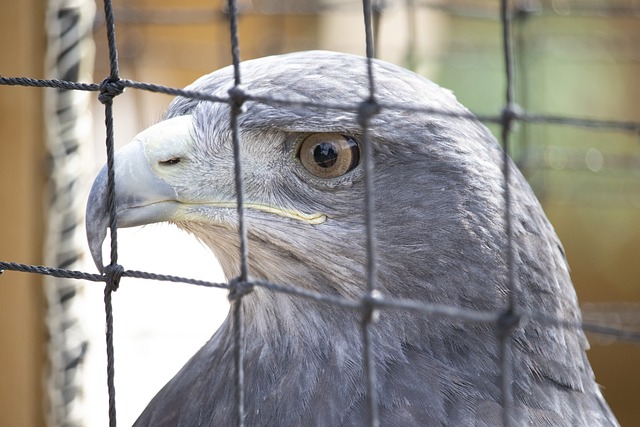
237 99
367 109
510 319
109 89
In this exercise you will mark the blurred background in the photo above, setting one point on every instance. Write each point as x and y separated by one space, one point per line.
576 58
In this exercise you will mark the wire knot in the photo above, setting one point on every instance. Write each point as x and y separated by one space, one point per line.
508 321
237 96
367 109
239 288
368 305
113 273
510 114
109 89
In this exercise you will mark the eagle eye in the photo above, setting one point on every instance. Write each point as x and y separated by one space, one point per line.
171 161
329 155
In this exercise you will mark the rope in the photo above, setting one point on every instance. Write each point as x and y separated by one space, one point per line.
367 109
237 98
506 327
109 89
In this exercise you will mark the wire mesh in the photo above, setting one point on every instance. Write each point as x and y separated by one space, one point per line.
503 321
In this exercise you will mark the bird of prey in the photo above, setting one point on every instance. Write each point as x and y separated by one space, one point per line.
440 226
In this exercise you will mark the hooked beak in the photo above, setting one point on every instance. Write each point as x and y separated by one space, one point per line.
141 197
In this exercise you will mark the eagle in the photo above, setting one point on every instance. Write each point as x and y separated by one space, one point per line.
439 222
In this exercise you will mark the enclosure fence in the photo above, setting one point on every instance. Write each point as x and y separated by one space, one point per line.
370 301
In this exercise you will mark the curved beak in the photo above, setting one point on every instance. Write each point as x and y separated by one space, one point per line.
141 197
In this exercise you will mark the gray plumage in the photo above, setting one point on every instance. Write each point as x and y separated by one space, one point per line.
439 218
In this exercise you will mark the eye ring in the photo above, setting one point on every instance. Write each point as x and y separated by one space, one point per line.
329 155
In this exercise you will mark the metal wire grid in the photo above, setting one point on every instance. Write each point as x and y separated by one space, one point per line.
504 321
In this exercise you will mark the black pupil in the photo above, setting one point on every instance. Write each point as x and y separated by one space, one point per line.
325 154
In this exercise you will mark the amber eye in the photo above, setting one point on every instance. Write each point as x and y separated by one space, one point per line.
329 155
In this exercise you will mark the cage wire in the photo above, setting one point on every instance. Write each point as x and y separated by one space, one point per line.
370 301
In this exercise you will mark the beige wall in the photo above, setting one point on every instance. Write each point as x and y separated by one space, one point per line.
21 187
